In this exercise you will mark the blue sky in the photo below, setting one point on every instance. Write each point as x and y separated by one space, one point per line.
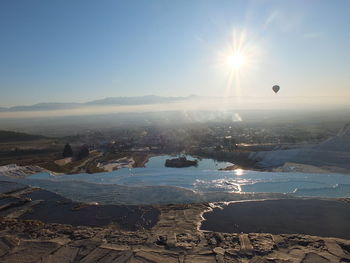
64 51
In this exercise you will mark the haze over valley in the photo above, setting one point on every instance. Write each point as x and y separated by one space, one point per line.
174 131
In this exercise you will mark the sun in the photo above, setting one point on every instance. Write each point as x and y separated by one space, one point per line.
236 60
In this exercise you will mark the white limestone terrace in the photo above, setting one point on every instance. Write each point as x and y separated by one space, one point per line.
16 171
332 154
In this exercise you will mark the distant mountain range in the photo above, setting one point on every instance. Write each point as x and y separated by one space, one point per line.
141 100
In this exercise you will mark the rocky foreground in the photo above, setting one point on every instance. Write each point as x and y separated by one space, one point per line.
173 237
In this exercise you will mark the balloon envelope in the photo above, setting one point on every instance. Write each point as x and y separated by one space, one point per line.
276 88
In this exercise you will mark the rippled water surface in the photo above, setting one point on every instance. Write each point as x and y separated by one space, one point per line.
203 163
207 178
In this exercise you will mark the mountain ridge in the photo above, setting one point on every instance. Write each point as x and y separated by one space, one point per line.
14 136
136 100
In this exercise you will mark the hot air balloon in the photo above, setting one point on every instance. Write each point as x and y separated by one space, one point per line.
276 88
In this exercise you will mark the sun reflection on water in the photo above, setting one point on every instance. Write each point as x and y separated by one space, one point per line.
239 172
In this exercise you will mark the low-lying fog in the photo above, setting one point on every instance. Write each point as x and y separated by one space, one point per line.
67 118
159 104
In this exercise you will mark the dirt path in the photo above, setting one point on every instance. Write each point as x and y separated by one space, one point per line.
81 168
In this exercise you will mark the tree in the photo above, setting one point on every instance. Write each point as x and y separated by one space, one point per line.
67 151
83 152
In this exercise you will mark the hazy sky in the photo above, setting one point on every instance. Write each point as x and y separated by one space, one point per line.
83 50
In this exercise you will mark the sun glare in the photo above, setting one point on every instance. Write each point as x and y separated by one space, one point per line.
236 60
239 172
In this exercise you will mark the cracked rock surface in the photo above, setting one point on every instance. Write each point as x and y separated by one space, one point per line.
173 236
